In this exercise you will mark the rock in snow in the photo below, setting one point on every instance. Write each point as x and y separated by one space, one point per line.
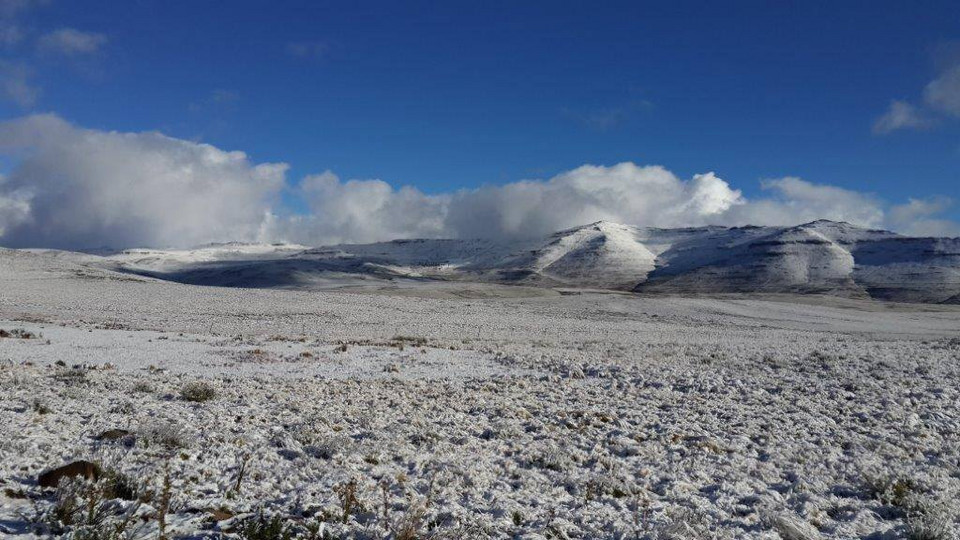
80 468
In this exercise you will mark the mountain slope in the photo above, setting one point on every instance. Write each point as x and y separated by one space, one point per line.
603 255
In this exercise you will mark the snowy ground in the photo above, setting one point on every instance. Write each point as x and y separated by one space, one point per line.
575 415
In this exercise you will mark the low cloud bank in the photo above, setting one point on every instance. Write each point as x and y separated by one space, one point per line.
80 188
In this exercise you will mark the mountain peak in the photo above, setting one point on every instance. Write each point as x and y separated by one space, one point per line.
829 223
602 225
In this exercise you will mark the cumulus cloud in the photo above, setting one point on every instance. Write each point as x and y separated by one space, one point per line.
919 217
371 210
363 211
900 115
793 200
71 42
14 208
625 193
80 188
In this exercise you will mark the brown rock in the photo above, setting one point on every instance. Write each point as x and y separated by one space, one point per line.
82 468
221 514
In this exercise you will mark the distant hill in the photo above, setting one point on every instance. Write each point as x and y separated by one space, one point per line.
822 257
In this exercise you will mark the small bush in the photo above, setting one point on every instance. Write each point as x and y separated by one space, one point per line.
928 520
71 377
167 435
400 341
143 387
198 391
890 489
349 502
83 508
123 407
117 485
261 528
40 407
411 523
19 333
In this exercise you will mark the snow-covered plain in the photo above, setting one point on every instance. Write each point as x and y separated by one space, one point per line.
467 410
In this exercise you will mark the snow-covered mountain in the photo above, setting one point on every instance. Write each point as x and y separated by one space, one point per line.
821 257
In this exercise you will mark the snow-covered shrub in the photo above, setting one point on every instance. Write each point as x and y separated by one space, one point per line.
928 519
144 387
71 377
88 509
263 528
327 447
888 488
40 407
198 391
19 333
165 434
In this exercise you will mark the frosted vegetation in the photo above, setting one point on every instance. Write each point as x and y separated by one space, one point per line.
466 410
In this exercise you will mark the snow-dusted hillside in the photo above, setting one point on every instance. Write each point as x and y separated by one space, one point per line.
821 257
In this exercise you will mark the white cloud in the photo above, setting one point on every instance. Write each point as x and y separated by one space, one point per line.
918 217
77 188
362 211
941 97
14 209
900 115
943 93
12 8
794 200
16 84
370 210
71 42
625 193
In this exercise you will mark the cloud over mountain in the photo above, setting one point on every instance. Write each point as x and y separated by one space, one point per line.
78 188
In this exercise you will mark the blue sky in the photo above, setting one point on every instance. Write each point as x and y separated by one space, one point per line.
448 95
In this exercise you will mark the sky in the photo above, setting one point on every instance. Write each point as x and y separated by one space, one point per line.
179 122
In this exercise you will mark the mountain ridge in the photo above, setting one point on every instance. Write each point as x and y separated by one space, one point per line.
819 257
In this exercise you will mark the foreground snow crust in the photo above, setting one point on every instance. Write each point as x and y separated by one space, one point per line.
587 415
